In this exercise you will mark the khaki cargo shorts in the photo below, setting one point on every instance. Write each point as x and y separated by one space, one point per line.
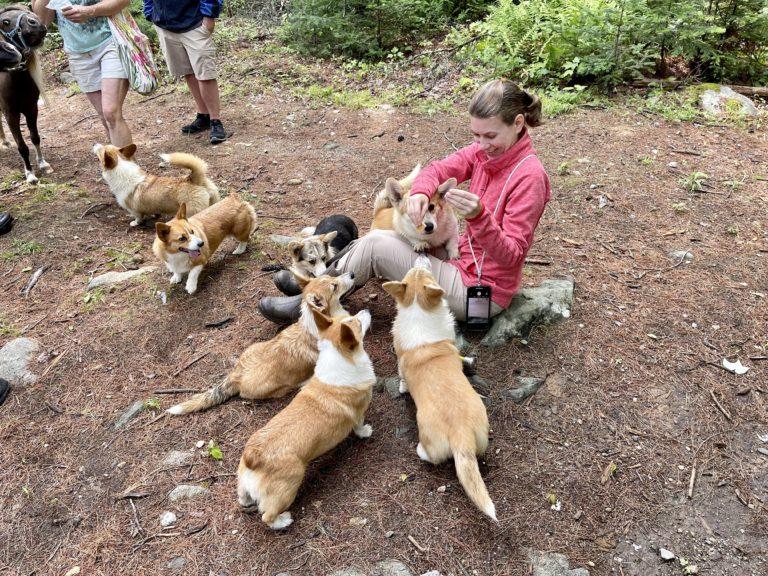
191 52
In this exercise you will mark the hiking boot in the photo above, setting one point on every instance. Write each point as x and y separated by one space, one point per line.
286 283
6 223
5 388
217 132
201 122
281 309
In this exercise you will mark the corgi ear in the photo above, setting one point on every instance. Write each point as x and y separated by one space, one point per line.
128 151
163 230
294 248
317 302
328 238
394 289
348 335
321 320
394 190
302 280
182 213
109 160
433 293
445 186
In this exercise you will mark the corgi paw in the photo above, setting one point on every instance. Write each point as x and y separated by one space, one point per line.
135 222
31 178
421 247
191 288
453 254
364 431
282 521
240 248
403 386
175 279
422 453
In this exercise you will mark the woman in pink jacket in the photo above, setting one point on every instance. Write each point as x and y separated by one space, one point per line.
507 194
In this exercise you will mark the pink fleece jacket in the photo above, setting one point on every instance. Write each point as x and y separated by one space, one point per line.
506 237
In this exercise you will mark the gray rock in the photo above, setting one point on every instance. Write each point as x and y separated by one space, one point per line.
666 555
186 491
481 385
117 277
391 568
348 572
133 410
331 146
281 239
392 386
401 431
546 304
717 102
167 518
177 458
177 563
15 358
432 573
552 564
683 255
527 387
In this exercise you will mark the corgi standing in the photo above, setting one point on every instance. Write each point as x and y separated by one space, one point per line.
327 408
186 245
274 368
142 194
450 415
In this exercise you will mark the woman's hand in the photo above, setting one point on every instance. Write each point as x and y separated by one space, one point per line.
209 23
417 206
79 14
465 203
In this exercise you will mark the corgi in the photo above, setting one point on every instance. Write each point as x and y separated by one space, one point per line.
186 245
440 228
310 255
273 369
142 194
451 416
327 408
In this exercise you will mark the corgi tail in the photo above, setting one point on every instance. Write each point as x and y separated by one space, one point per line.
381 202
197 166
213 397
469 477
213 193
308 231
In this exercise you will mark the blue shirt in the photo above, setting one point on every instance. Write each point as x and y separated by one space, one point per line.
180 15
83 37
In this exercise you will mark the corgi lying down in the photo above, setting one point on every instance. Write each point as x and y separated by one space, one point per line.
327 408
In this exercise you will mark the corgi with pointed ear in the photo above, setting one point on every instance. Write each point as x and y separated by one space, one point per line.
327 408
310 255
185 245
142 194
439 229
274 368
450 415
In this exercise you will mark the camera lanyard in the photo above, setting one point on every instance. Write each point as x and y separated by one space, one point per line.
479 267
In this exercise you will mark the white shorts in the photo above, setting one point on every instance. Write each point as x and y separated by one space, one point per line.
90 68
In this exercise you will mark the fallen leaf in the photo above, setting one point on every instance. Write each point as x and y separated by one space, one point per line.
608 472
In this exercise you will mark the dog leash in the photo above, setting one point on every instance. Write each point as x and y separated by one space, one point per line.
479 267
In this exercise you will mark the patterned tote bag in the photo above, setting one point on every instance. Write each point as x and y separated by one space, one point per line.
135 52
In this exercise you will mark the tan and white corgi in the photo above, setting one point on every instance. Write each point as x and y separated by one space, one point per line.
274 368
450 415
186 245
440 228
143 194
327 408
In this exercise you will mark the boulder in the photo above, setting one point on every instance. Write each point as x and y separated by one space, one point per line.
15 358
725 99
551 564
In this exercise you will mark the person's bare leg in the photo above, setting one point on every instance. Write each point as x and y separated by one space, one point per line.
194 89
95 99
113 92
209 91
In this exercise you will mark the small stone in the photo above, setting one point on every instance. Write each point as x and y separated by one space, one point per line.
73 571
401 431
177 563
666 555
295 181
331 146
432 573
358 521
348 572
672 164
441 489
578 515
116 277
167 518
683 255
392 385
132 411
527 386
200 444
389 533
391 568
177 458
186 491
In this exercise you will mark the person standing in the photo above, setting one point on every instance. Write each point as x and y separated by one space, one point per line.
93 58
185 30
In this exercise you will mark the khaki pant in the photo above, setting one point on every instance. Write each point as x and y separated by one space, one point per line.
387 256
191 52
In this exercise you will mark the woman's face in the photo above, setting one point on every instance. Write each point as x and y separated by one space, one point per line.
494 135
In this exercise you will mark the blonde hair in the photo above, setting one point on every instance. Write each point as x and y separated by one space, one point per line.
506 100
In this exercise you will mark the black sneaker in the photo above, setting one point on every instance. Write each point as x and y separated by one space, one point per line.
202 122
217 132
6 223
5 387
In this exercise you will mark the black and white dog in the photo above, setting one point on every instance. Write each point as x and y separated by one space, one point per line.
310 256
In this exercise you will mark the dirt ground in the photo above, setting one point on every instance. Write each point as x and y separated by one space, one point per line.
633 374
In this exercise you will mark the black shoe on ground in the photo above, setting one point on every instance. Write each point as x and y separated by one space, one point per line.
201 122
6 223
286 283
217 132
281 309
5 387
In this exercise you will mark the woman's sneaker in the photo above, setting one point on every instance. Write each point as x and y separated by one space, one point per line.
217 132
201 122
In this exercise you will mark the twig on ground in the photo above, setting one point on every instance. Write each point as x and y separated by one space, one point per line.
30 327
218 323
719 406
416 545
661 270
131 496
688 152
175 390
281 217
54 363
33 280
445 135
139 529
95 208
190 363
692 480
538 262
196 529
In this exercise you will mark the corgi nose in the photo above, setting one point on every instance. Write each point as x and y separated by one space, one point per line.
351 275
429 227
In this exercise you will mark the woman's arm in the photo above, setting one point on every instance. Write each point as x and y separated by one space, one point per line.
40 10
80 14
508 243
